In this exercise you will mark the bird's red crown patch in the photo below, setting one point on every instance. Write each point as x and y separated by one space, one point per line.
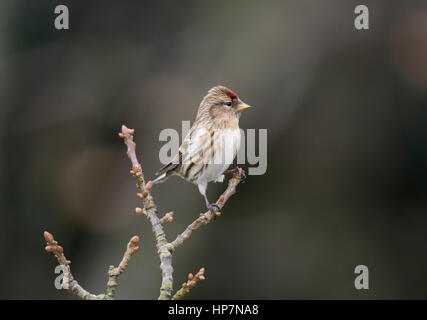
231 94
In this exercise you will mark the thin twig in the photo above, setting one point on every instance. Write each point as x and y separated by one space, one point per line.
191 283
68 282
113 273
207 217
168 217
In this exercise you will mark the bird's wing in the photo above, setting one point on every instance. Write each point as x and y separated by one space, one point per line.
197 150
190 152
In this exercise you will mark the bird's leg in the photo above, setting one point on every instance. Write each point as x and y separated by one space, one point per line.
212 207
236 170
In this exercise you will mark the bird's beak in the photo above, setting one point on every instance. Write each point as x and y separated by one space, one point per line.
242 106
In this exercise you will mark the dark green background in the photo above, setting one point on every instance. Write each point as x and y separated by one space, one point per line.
347 144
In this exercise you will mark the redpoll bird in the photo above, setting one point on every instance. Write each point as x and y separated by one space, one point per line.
211 144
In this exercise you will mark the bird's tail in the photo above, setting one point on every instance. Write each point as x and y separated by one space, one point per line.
165 172
162 178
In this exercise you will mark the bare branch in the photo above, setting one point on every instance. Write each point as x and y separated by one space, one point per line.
68 282
150 210
191 283
114 273
168 217
207 217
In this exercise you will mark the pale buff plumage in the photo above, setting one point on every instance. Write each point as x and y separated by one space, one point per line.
212 142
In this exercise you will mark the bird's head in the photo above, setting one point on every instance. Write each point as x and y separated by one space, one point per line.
222 102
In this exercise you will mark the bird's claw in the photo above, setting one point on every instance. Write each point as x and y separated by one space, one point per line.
213 208
242 173
236 170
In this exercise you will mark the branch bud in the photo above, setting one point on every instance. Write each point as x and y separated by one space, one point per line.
135 240
48 236
149 185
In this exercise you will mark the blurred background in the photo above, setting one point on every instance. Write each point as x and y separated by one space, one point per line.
346 182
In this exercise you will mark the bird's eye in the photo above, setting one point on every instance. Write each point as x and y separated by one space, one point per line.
228 103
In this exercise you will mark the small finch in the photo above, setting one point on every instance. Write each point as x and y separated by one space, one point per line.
211 144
